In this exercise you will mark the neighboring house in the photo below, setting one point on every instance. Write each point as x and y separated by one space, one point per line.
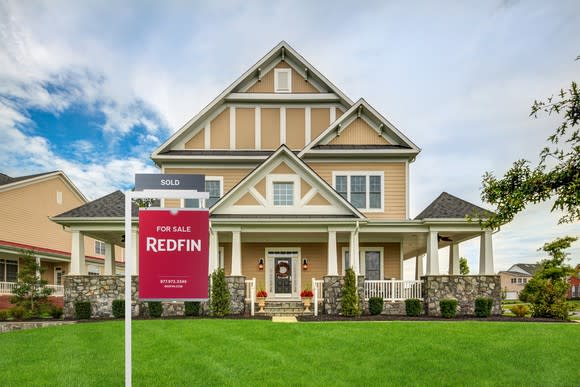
574 281
301 179
26 203
515 278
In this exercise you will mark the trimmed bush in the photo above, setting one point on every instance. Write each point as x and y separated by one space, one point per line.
3 315
413 307
520 310
155 308
448 308
483 306
118 308
192 308
219 303
376 305
18 312
350 299
56 312
83 310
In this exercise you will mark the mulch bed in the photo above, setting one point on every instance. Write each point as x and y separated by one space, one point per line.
382 317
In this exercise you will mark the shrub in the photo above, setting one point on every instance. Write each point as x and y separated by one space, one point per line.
3 315
192 308
56 312
483 306
520 310
155 309
18 312
350 299
118 308
83 310
413 307
376 305
219 304
448 308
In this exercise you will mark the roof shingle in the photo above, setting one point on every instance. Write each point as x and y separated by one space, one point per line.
109 206
447 206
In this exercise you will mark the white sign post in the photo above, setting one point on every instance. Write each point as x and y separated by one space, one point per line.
129 196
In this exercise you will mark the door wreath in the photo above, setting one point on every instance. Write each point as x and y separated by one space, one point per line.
282 269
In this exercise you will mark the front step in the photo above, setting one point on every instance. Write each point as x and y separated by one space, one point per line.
284 308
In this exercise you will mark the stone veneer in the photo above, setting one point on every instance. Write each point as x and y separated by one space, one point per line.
237 289
464 288
332 293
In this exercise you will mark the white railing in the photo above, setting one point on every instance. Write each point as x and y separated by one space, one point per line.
251 291
393 290
7 287
317 289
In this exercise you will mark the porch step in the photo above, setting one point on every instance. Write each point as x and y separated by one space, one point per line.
284 308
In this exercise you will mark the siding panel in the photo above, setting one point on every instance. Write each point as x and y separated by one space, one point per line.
245 128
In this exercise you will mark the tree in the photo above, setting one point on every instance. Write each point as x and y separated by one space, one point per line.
547 290
219 303
350 300
30 291
463 266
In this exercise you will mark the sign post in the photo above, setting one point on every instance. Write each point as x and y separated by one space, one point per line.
159 186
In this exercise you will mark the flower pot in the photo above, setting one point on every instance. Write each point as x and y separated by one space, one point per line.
307 302
261 303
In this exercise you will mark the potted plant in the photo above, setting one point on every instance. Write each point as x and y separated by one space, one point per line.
261 295
306 296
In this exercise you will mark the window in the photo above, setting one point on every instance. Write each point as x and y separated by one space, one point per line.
282 80
214 187
58 197
8 270
514 280
93 270
371 262
58 275
99 247
283 193
519 280
364 190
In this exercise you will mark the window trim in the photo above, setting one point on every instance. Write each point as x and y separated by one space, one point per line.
361 262
94 273
4 274
208 178
281 178
367 174
104 250
276 80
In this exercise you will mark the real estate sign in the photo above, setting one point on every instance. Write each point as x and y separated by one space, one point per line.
173 254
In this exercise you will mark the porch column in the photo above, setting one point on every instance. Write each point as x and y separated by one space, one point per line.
486 254
354 252
213 251
332 264
432 254
77 254
454 259
236 254
135 248
38 267
109 259
419 266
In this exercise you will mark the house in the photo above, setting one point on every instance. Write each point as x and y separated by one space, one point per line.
26 203
515 278
301 179
574 281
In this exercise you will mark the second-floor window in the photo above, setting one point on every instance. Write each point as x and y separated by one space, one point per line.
282 80
283 193
364 190
99 248
214 187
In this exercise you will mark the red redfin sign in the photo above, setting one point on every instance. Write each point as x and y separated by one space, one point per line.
173 254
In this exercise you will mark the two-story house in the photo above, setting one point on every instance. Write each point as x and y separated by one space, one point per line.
301 180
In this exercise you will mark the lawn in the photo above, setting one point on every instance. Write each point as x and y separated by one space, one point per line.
245 352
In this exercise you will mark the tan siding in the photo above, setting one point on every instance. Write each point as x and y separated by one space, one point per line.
220 131
231 176
245 128
172 203
299 85
320 119
359 133
266 85
197 141
281 169
270 125
395 181
295 128
247 200
304 187
261 187
318 200
339 113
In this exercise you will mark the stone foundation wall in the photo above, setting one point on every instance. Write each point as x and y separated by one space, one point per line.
394 308
332 293
464 288
237 289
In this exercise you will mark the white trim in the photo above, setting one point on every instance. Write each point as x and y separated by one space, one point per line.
407 192
332 114
277 88
362 260
282 125
282 178
207 135
203 201
296 283
258 196
258 127
232 127
47 176
310 97
56 270
307 124
349 174
58 197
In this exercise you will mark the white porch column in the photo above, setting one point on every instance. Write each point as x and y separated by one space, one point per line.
454 259
236 254
38 265
135 248
419 266
109 259
432 254
332 264
214 251
486 254
77 254
353 252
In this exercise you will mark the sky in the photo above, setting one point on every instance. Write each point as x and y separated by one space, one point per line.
93 87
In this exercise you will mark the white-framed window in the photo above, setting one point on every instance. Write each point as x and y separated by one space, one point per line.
514 280
283 190
58 275
215 186
93 270
8 270
283 80
99 248
371 262
364 190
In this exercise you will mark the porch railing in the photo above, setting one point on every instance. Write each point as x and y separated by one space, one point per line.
251 292
393 290
317 289
7 287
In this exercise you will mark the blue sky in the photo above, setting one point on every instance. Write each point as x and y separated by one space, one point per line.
93 89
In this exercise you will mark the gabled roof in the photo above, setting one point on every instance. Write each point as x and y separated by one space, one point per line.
283 151
524 268
8 183
384 128
108 206
447 206
5 179
282 51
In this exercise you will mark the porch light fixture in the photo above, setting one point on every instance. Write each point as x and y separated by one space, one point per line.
305 264
261 264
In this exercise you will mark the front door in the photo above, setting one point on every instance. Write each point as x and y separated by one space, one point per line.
283 273
283 276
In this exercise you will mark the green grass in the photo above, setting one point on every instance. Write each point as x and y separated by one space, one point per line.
244 352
